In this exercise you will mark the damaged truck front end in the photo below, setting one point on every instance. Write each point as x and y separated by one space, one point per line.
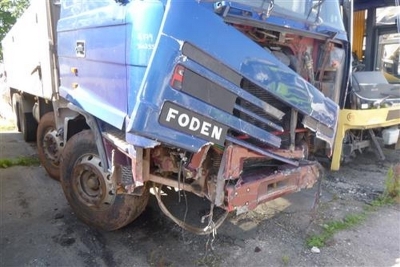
233 101
241 98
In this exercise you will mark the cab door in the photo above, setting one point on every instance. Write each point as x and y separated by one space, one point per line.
91 48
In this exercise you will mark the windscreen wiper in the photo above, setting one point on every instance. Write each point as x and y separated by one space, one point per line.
269 8
318 6
264 7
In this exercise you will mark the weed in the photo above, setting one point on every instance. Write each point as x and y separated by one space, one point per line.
209 260
392 183
5 163
285 259
390 195
354 219
379 202
333 227
317 240
6 126
158 260
20 161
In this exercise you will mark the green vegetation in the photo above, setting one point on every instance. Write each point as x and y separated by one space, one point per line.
20 161
390 195
285 260
392 184
6 126
156 258
333 227
209 260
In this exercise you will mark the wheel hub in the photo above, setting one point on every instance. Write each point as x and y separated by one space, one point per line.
52 145
93 186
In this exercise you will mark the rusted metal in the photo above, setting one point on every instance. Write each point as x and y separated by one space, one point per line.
174 183
130 179
297 153
162 158
137 167
129 167
198 158
140 172
222 176
261 186
197 170
236 155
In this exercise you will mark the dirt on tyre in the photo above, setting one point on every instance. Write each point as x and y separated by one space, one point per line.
49 145
90 191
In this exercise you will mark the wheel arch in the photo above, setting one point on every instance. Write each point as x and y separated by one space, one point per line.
36 105
78 120
28 100
41 107
92 193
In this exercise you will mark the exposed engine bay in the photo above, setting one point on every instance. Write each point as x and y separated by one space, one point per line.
238 179
245 171
319 61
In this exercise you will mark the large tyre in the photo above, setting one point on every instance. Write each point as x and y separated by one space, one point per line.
26 123
90 192
49 145
16 100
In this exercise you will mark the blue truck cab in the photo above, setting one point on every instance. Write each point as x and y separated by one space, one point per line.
232 101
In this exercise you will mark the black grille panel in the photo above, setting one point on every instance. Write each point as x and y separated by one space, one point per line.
255 115
263 119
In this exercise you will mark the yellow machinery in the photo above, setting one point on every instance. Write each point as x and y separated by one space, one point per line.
372 108
363 120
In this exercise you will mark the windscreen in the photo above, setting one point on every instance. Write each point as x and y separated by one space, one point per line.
320 12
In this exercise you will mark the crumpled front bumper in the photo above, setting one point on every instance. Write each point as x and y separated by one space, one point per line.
260 185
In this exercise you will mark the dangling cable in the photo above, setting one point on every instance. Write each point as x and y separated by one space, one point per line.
196 230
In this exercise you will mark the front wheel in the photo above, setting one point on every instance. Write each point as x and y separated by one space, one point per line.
90 191
49 145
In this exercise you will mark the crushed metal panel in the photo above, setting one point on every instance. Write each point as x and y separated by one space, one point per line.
259 187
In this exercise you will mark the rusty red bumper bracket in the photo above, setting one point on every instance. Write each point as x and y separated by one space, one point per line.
256 187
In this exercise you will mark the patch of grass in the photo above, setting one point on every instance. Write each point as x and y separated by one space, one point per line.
157 259
285 260
20 161
317 240
379 202
333 227
392 184
390 195
209 260
6 126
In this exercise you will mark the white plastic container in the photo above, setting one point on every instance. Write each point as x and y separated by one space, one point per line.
390 135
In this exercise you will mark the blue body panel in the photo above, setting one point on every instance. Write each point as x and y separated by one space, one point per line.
132 51
101 77
224 43
143 20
